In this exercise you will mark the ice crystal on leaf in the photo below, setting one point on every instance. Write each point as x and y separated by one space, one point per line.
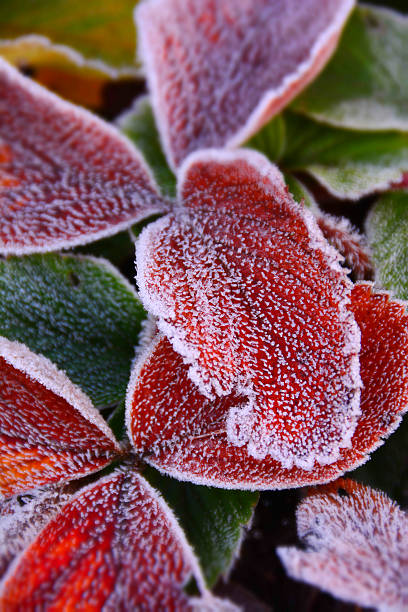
356 546
219 69
222 274
185 434
49 429
66 177
116 545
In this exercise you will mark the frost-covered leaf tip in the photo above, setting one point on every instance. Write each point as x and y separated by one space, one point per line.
219 69
49 429
66 177
116 546
356 543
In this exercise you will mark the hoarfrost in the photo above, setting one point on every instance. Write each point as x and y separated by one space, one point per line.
219 69
253 297
66 177
359 537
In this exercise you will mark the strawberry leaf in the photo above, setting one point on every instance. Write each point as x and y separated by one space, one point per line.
349 164
90 326
219 70
213 520
387 230
184 434
49 430
237 294
364 87
66 177
115 544
355 546
99 29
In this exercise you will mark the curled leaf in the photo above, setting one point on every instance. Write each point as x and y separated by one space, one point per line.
219 69
184 434
256 302
356 543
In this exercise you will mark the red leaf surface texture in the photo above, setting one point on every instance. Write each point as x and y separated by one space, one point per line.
219 69
66 177
356 546
114 546
49 429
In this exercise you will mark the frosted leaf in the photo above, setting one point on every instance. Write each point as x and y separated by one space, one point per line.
348 164
364 87
349 242
115 545
219 69
77 311
184 434
49 429
253 297
66 177
22 518
356 543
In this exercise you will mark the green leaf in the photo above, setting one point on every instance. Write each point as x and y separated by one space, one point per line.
212 519
301 193
365 85
387 232
271 139
139 125
98 29
77 311
349 164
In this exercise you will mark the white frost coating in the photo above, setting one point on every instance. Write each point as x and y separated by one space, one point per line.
42 370
260 162
179 534
356 548
305 73
153 23
144 355
163 304
112 201
73 55
22 519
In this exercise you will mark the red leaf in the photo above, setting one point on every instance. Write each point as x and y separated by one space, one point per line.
219 69
184 434
49 429
250 293
114 546
66 177
356 546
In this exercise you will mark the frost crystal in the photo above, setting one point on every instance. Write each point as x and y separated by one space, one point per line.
219 69
356 546
253 297
66 177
